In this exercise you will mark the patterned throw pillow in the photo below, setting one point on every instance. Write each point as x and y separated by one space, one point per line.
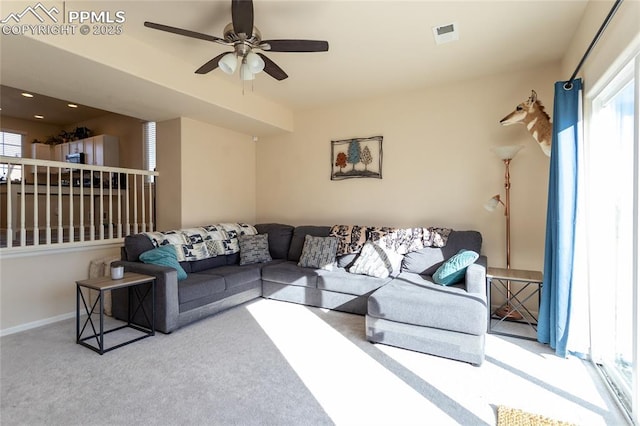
351 238
454 269
254 249
164 256
375 261
319 252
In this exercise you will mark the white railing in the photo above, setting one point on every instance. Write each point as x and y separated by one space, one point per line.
52 203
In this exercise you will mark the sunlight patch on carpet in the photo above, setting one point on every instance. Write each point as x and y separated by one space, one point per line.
351 386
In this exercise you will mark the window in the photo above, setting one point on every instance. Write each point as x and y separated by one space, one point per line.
11 146
149 138
612 227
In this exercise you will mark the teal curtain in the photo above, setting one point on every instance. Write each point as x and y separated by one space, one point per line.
554 320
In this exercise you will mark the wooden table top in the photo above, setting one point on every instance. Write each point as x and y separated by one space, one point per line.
515 274
106 283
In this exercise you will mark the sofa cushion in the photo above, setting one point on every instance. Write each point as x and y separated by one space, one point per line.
319 252
164 256
254 249
208 263
297 240
235 276
135 245
415 299
454 268
341 281
425 261
199 285
279 238
290 273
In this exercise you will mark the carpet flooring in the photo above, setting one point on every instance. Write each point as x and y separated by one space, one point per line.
276 363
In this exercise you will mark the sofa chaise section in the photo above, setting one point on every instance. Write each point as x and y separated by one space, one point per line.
413 312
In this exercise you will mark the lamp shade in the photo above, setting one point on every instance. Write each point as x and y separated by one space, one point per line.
245 72
492 203
255 62
228 63
507 152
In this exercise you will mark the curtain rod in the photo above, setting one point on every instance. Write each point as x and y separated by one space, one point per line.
612 12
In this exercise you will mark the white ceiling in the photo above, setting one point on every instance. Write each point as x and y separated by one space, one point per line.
375 47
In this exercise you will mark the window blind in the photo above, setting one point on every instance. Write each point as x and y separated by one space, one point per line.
149 138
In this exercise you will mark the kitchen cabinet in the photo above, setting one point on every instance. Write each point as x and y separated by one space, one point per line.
100 150
105 150
60 151
76 146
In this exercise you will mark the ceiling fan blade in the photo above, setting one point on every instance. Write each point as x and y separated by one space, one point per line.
272 69
183 32
242 16
211 65
297 45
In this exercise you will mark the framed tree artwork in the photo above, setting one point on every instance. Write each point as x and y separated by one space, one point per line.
356 158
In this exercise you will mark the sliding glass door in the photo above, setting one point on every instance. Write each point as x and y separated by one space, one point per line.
611 179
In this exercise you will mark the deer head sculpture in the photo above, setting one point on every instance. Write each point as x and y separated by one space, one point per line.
531 113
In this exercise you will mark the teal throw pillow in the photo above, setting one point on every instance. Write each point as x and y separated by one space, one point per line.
454 269
164 256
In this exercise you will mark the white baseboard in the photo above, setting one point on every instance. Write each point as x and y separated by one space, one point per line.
36 324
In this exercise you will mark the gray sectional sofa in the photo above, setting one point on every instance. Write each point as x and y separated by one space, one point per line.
406 309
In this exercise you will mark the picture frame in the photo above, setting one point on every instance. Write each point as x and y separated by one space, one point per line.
356 158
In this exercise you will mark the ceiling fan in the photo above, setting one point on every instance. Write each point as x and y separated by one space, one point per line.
245 38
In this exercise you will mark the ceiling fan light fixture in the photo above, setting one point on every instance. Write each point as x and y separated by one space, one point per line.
228 63
255 62
245 72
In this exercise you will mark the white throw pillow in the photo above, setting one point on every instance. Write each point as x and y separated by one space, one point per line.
376 261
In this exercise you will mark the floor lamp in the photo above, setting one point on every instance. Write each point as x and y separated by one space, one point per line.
506 154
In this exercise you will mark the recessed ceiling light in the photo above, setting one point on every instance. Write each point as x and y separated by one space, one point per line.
72 105
27 95
39 117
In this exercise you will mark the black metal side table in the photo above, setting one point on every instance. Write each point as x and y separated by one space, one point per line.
513 310
134 284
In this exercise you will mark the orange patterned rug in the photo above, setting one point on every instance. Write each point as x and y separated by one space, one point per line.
514 417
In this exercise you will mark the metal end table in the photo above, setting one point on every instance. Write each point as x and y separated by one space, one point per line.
500 278
134 283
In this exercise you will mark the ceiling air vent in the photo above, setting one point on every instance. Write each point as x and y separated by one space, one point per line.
446 33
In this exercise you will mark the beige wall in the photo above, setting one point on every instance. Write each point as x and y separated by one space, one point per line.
438 167
169 183
218 175
37 288
207 174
